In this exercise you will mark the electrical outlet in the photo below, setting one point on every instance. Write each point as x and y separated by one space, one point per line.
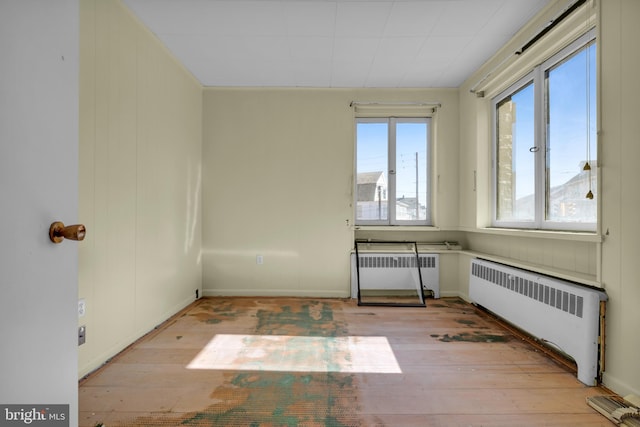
259 259
82 307
82 334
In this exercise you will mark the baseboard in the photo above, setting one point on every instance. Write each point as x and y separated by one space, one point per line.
98 361
312 293
617 386
308 294
454 294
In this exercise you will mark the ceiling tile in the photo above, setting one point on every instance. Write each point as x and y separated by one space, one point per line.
421 74
312 48
443 48
310 18
388 73
251 18
311 73
351 73
362 19
346 48
413 18
466 20
334 43
399 47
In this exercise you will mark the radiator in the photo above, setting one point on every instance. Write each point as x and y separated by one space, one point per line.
559 313
393 271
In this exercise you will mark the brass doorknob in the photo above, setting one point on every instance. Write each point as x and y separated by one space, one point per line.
58 232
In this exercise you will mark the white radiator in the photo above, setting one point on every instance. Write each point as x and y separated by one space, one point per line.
560 313
393 271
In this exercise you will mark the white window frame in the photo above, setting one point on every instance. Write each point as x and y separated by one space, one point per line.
537 76
391 172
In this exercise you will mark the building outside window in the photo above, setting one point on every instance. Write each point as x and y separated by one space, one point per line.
392 171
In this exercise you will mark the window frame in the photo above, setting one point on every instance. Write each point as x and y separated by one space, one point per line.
392 122
537 77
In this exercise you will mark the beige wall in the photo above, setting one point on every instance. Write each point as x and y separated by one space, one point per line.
278 182
610 257
620 150
140 142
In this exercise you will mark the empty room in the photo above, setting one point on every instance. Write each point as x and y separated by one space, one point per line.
319 212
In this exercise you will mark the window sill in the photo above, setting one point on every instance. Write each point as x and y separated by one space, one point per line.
396 228
580 236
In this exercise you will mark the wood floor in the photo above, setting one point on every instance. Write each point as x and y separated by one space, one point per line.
328 362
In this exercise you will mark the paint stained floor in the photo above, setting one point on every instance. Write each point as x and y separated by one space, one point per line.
327 362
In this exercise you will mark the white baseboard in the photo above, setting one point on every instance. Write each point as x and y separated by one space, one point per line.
311 293
98 361
618 386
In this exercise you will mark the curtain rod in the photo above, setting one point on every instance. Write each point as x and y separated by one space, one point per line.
555 21
396 104
548 27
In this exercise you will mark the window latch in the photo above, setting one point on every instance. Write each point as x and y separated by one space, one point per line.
534 149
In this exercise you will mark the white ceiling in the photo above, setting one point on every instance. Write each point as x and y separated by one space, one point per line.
334 43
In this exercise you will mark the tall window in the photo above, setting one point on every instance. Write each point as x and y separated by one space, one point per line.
392 170
545 149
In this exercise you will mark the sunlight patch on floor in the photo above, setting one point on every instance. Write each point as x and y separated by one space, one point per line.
297 354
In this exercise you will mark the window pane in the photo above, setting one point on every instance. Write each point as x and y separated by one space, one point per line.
515 162
372 163
571 138
411 171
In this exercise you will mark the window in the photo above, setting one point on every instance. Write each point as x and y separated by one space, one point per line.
392 170
545 144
